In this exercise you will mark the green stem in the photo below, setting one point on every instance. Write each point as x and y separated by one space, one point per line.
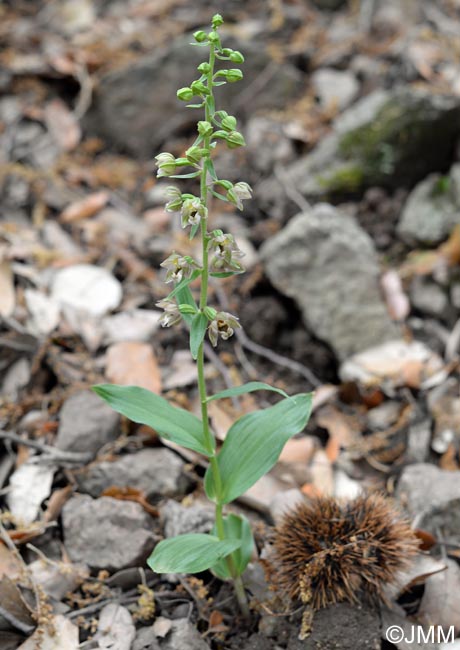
210 442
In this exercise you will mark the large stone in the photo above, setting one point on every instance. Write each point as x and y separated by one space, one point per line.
86 423
106 533
377 142
157 472
424 487
137 109
335 87
328 265
432 209
179 520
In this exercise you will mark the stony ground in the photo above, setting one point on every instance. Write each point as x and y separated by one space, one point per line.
351 113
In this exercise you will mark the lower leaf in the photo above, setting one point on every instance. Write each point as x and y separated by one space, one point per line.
235 527
190 553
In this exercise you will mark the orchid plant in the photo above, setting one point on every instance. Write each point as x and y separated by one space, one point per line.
254 442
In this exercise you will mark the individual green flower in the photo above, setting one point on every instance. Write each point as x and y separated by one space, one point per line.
223 326
234 74
238 192
175 199
225 253
217 21
171 314
192 212
185 94
204 128
236 57
194 154
199 88
178 267
166 164
234 139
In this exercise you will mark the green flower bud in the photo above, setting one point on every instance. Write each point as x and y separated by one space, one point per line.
226 51
236 57
229 123
204 67
234 75
205 128
210 312
199 88
185 94
185 308
217 20
235 139
175 199
194 154
200 36
213 37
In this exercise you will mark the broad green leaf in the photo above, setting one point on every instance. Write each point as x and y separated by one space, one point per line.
185 297
197 332
246 388
184 283
254 443
190 553
142 406
236 527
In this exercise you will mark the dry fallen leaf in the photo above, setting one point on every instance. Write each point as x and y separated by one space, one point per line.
397 302
115 629
130 494
85 208
62 125
29 486
7 294
298 450
9 563
221 421
130 363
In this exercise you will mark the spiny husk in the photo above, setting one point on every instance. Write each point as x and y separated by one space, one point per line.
328 551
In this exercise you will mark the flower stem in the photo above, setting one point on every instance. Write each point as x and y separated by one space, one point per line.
210 442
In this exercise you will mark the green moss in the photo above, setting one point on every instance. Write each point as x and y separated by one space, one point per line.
347 178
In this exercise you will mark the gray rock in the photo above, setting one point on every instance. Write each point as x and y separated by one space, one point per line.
145 640
137 108
444 522
328 265
432 209
106 533
335 87
428 297
377 142
267 144
157 472
178 520
423 487
86 423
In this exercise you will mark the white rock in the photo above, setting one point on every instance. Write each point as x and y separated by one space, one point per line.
133 325
29 485
44 312
87 288
335 87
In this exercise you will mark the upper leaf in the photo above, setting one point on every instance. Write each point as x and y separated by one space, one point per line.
190 553
142 406
254 443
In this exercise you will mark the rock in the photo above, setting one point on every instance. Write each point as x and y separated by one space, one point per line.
86 423
115 628
444 522
377 142
267 144
86 288
133 325
423 487
145 640
327 264
157 472
335 87
106 533
341 627
183 635
428 297
136 107
432 209
178 520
